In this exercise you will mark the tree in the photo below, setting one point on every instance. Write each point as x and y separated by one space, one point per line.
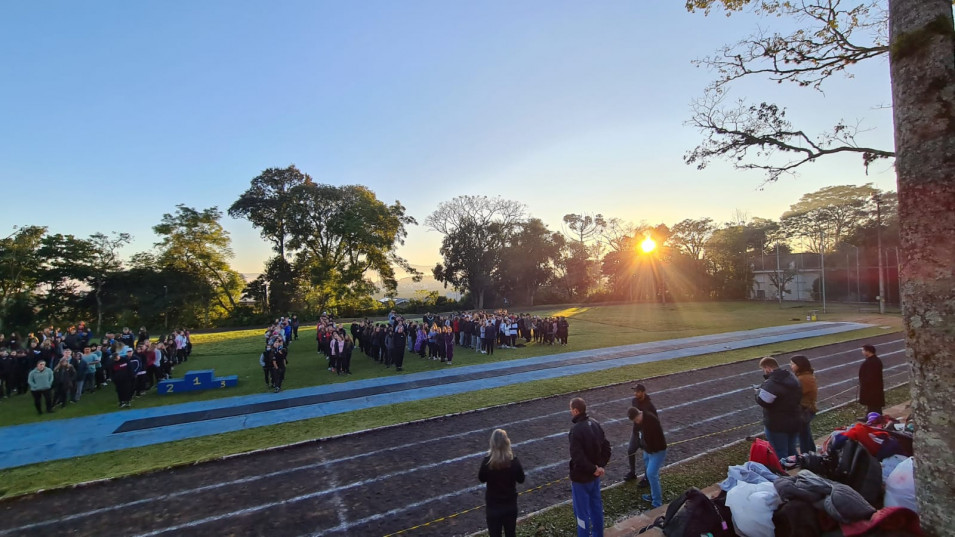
470 255
340 233
269 202
528 261
104 260
581 265
922 65
760 137
475 229
19 259
826 217
194 241
690 236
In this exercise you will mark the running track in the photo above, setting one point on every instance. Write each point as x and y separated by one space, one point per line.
397 478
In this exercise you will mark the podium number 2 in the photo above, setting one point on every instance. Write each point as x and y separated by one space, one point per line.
169 388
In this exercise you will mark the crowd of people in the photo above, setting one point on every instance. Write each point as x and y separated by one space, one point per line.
387 342
58 367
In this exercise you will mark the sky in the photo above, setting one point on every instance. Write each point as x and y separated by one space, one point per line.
111 113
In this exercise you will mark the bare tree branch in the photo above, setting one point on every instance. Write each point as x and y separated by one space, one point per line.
754 137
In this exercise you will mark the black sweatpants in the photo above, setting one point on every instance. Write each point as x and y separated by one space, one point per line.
45 394
501 518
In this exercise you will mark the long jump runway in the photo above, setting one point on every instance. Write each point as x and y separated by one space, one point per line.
420 479
141 427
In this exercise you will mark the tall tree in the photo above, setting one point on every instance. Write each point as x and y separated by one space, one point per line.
528 260
19 260
104 261
269 202
826 217
341 233
475 228
690 236
195 241
922 64
470 256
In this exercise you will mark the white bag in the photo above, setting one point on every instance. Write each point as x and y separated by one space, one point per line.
752 507
900 486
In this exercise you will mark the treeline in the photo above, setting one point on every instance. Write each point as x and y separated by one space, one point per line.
335 248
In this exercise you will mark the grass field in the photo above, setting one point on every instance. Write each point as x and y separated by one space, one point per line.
237 353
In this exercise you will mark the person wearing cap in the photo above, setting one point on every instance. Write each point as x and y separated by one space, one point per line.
654 451
641 401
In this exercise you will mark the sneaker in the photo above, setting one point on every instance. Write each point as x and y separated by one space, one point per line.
629 477
646 498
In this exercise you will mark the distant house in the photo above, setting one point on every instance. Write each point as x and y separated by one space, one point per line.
397 301
797 272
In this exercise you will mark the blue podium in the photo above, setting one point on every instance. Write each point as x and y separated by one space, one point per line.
197 380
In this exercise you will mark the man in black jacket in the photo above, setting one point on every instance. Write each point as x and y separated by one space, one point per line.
589 453
871 387
642 402
780 395
654 450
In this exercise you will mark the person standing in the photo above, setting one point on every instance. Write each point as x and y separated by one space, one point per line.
871 387
589 454
40 380
124 378
278 359
810 392
654 451
501 470
641 401
779 395
63 378
398 342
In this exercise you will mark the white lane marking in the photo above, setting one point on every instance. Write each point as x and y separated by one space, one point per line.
312 495
309 466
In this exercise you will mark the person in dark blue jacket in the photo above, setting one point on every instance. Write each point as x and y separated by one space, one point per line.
589 454
780 397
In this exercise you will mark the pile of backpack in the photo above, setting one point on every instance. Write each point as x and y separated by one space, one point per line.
861 484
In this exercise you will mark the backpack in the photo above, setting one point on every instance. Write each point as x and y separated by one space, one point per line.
691 515
762 452
861 471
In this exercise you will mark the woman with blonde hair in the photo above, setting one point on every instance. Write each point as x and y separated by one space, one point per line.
501 470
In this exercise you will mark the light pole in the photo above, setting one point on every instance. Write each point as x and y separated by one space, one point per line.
878 233
779 286
165 307
898 270
858 291
822 264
